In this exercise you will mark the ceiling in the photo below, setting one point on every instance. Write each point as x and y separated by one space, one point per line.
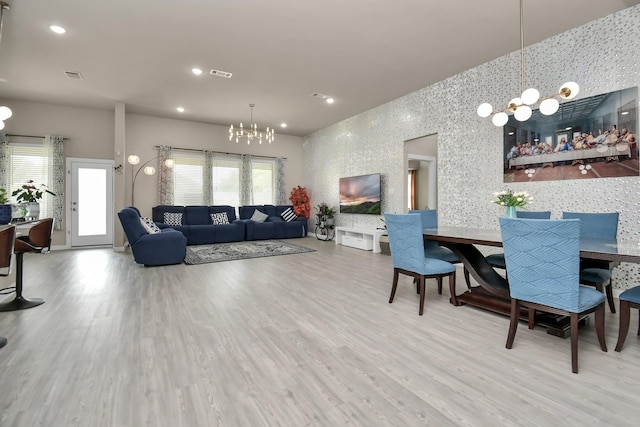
363 53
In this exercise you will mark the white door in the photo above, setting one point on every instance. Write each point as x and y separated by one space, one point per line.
90 205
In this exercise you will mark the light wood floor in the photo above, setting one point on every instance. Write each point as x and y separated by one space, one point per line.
296 340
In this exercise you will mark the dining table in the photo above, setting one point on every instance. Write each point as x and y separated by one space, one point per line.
492 290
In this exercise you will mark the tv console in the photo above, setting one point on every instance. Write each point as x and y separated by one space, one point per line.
360 237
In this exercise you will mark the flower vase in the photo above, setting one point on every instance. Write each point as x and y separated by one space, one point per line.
511 212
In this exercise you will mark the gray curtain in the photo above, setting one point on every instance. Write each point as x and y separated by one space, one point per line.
207 178
4 161
165 176
281 195
54 147
246 181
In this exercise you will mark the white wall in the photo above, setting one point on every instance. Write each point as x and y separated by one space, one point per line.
91 134
599 56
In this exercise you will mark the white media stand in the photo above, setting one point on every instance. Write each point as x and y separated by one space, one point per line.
361 238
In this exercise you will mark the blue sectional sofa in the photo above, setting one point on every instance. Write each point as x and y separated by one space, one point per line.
166 247
196 224
274 227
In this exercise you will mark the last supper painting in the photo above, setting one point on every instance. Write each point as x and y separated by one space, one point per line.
588 138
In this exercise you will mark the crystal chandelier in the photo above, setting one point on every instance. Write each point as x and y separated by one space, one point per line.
521 107
252 133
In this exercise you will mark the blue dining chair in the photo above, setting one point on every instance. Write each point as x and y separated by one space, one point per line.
432 249
497 260
628 299
408 255
600 226
543 262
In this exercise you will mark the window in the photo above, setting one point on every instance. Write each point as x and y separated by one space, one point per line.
187 180
29 162
225 175
262 174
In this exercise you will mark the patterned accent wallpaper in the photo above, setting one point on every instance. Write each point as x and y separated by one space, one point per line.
601 56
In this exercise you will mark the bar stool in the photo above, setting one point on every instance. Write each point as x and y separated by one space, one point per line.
7 239
38 241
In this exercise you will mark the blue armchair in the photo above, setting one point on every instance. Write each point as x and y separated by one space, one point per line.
543 262
167 247
408 255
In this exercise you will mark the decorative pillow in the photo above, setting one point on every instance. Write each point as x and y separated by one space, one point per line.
288 215
259 216
219 218
150 226
173 218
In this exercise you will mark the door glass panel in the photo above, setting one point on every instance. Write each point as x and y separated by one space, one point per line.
92 186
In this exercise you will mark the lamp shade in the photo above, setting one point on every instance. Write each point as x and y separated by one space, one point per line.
5 113
569 90
133 159
549 106
500 119
530 96
485 110
169 163
1 124
522 113
149 170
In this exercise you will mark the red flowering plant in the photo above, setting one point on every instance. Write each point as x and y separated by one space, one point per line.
300 200
30 193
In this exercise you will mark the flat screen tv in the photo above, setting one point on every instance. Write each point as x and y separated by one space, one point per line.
360 194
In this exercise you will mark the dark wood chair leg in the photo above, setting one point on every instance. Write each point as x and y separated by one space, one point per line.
609 291
395 284
452 288
421 282
532 317
513 324
623 329
574 343
600 327
439 280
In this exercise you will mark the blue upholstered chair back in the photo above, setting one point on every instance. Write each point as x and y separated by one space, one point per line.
429 217
596 225
543 261
405 241
534 214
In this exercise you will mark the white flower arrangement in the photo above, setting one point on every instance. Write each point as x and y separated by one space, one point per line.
509 198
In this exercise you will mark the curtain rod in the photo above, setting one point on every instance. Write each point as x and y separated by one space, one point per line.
218 152
33 136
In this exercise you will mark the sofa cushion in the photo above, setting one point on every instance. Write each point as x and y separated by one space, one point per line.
288 215
259 216
172 218
219 218
149 225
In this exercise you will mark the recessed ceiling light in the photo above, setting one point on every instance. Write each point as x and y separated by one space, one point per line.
283 125
330 100
57 29
624 113
180 109
196 71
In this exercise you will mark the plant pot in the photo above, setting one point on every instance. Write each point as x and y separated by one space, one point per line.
33 210
6 213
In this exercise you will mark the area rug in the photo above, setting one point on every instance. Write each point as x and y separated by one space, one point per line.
202 254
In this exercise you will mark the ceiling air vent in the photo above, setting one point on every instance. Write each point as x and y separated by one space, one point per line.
73 75
220 73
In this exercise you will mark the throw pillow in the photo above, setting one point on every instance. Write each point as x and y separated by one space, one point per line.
259 216
173 218
219 218
150 226
288 215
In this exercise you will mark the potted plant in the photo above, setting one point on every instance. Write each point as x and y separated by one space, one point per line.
5 207
30 195
325 214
